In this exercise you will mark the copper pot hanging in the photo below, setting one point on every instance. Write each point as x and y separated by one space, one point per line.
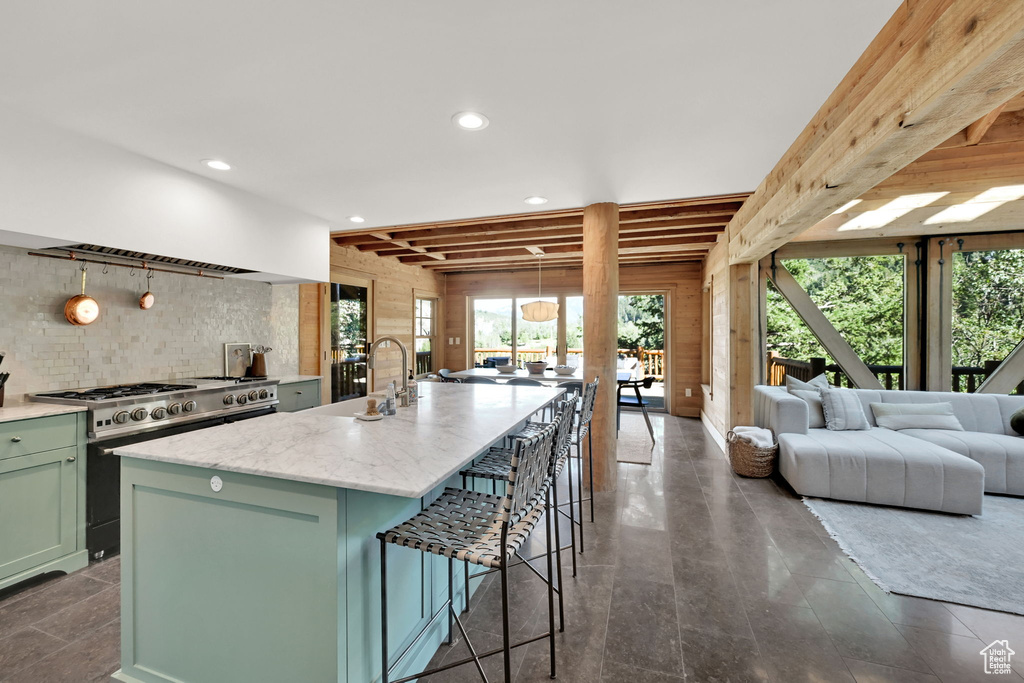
82 309
147 300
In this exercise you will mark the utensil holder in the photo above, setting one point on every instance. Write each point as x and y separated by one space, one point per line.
259 365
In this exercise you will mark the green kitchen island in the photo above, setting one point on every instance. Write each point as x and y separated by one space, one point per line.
249 550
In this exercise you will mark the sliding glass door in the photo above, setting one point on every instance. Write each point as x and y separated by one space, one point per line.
492 332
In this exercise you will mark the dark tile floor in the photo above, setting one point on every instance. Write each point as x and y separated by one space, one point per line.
690 573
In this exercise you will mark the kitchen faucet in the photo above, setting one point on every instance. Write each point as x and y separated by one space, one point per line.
404 391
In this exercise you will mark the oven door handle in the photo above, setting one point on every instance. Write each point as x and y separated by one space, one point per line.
106 451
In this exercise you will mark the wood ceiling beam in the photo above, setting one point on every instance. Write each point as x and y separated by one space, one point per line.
575 238
562 263
936 67
976 131
486 231
625 247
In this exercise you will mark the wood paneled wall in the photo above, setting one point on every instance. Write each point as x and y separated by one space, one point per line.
395 287
681 282
716 339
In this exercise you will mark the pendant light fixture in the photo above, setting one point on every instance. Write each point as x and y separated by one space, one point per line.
147 300
539 311
82 309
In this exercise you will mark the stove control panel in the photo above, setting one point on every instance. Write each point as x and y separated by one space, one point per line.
150 411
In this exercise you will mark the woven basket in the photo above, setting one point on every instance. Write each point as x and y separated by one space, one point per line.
748 460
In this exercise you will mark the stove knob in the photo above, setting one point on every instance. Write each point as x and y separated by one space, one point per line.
159 413
229 399
189 406
139 414
254 395
121 416
174 409
242 399
264 393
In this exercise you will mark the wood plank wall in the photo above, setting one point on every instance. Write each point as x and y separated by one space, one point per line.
395 286
681 282
716 391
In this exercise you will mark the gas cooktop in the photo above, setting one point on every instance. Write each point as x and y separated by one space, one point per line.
119 391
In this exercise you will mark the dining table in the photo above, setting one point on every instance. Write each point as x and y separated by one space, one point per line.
547 377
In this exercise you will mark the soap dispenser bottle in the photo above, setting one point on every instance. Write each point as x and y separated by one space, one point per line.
414 389
389 401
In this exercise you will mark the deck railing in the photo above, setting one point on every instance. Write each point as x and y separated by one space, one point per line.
966 379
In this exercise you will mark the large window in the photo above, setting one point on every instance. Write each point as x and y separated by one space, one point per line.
426 334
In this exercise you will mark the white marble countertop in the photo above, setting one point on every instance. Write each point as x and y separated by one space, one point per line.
292 379
27 410
407 454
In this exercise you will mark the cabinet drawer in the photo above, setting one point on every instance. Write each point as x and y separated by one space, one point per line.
298 396
38 434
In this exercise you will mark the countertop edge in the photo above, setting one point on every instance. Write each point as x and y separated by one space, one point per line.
28 410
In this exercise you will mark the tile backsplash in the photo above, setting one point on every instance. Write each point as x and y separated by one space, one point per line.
183 335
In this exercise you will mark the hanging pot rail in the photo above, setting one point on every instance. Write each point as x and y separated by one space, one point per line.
145 266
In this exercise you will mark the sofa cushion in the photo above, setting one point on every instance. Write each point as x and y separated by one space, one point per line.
916 416
815 414
881 466
975 412
843 410
1002 456
821 381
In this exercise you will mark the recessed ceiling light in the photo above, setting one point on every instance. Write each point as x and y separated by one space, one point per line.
357 219
217 164
536 200
470 120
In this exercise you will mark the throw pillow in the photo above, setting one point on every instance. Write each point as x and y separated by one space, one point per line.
916 416
1017 422
818 382
815 418
843 410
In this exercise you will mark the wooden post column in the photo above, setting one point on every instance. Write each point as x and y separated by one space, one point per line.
600 331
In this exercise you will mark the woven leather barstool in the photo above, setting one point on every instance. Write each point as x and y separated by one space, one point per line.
484 530
496 463
583 431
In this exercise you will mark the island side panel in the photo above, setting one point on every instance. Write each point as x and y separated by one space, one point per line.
240 584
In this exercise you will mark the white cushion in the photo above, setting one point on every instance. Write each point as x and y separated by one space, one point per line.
916 416
843 410
1001 455
818 382
815 416
883 467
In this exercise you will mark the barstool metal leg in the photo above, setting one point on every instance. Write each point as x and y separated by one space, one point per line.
506 636
572 506
451 600
579 487
384 610
551 600
552 515
590 459
466 563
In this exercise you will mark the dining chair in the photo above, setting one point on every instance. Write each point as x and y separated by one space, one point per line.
524 382
637 401
478 380
446 376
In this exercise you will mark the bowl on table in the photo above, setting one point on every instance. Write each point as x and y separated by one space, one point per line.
537 367
506 369
565 369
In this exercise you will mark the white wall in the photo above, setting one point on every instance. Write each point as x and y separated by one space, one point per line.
63 186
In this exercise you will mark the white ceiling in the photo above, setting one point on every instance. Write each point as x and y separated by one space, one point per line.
341 108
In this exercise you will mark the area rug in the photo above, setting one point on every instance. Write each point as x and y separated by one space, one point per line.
634 444
976 561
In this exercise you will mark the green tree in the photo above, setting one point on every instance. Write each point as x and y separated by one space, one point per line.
642 321
988 305
861 296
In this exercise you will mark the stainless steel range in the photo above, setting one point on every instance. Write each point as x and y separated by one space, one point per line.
126 414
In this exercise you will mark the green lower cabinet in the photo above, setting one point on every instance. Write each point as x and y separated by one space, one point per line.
297 396
42 502
253 579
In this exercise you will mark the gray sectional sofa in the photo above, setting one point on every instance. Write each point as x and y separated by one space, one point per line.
931 469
